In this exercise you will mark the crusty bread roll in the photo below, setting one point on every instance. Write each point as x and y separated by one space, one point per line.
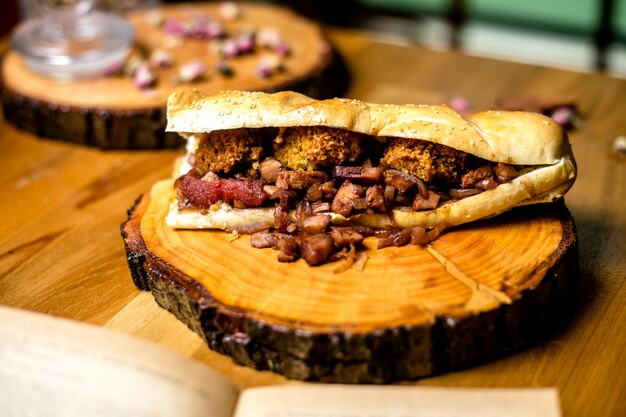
517 138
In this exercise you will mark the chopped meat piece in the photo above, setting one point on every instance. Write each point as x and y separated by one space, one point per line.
269 170
314 146
314 193
268 239
300 179
317 248
198 193
420 203
345 236
425 160
470 179
362 175
328 190
316 224
223 150
375 198
285 257
505 172
345 197
288 245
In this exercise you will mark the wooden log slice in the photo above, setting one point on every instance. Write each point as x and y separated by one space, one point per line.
477 292
110 113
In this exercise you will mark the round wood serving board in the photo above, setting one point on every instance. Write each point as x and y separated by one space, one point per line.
110 113
473 294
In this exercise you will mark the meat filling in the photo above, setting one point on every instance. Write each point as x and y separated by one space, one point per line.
316 173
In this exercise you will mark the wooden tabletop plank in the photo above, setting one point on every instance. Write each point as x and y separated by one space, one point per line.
61 207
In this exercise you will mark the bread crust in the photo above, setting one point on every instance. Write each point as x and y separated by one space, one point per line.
518 138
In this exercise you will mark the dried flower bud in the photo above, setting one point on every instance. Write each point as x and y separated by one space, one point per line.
563 115
460 104
619 146
229 48
174 27
268 66
282 49
161 58
132 63
144 77
224 68
230 10
245 43
268 37
192 71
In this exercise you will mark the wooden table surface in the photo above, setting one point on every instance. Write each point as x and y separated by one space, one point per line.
61 207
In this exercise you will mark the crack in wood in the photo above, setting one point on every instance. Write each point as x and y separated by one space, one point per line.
483 297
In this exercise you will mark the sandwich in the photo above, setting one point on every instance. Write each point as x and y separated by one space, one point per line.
312 178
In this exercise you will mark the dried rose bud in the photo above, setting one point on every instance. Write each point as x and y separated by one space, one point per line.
224 68
144 77
563 115
460 104
245 43
204 28
263 71
160 58
192 71
230 10
174 27
268 37
282 49
619 146
131 65
268 66
229 48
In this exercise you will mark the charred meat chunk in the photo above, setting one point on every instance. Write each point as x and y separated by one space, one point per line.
222 150
309 147
425 160
348 193
420 203
269 169
375 198
345 236
316 249
316 224
300 179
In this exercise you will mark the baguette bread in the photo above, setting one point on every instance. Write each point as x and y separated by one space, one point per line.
522 139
